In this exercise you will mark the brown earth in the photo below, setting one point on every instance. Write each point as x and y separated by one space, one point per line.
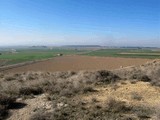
76 63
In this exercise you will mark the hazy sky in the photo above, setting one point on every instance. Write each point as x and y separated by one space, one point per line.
73 22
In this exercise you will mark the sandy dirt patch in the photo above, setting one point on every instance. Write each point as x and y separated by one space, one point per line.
32 105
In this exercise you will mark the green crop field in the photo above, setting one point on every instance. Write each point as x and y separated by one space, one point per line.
130 53
23 55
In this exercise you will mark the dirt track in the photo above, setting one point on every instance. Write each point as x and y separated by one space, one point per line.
75 63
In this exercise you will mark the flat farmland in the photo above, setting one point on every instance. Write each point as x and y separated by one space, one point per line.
77 62
126 53
25 55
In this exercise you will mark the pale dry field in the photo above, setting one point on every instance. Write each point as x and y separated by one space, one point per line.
76 63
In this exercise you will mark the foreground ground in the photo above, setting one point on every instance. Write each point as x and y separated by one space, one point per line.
77 62
131 93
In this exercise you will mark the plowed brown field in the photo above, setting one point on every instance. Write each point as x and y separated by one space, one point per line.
75 63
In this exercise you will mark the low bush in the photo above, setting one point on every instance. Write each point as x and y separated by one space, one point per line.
10 78
88 89
142 112
107 77
117 106
30 90
145 78
136 96
62 88
140 77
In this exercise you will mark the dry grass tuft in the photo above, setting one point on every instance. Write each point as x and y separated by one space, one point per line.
115 106
136 96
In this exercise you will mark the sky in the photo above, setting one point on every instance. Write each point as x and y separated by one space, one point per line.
80 22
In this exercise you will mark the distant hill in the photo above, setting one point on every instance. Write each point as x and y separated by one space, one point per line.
81 46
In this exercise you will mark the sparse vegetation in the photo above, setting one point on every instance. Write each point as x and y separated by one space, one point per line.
79 95
148 72
113 109
115 106
143 112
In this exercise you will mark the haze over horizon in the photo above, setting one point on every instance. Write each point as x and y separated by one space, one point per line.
80 22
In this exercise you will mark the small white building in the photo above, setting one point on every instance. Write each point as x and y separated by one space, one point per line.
59 54
13 51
